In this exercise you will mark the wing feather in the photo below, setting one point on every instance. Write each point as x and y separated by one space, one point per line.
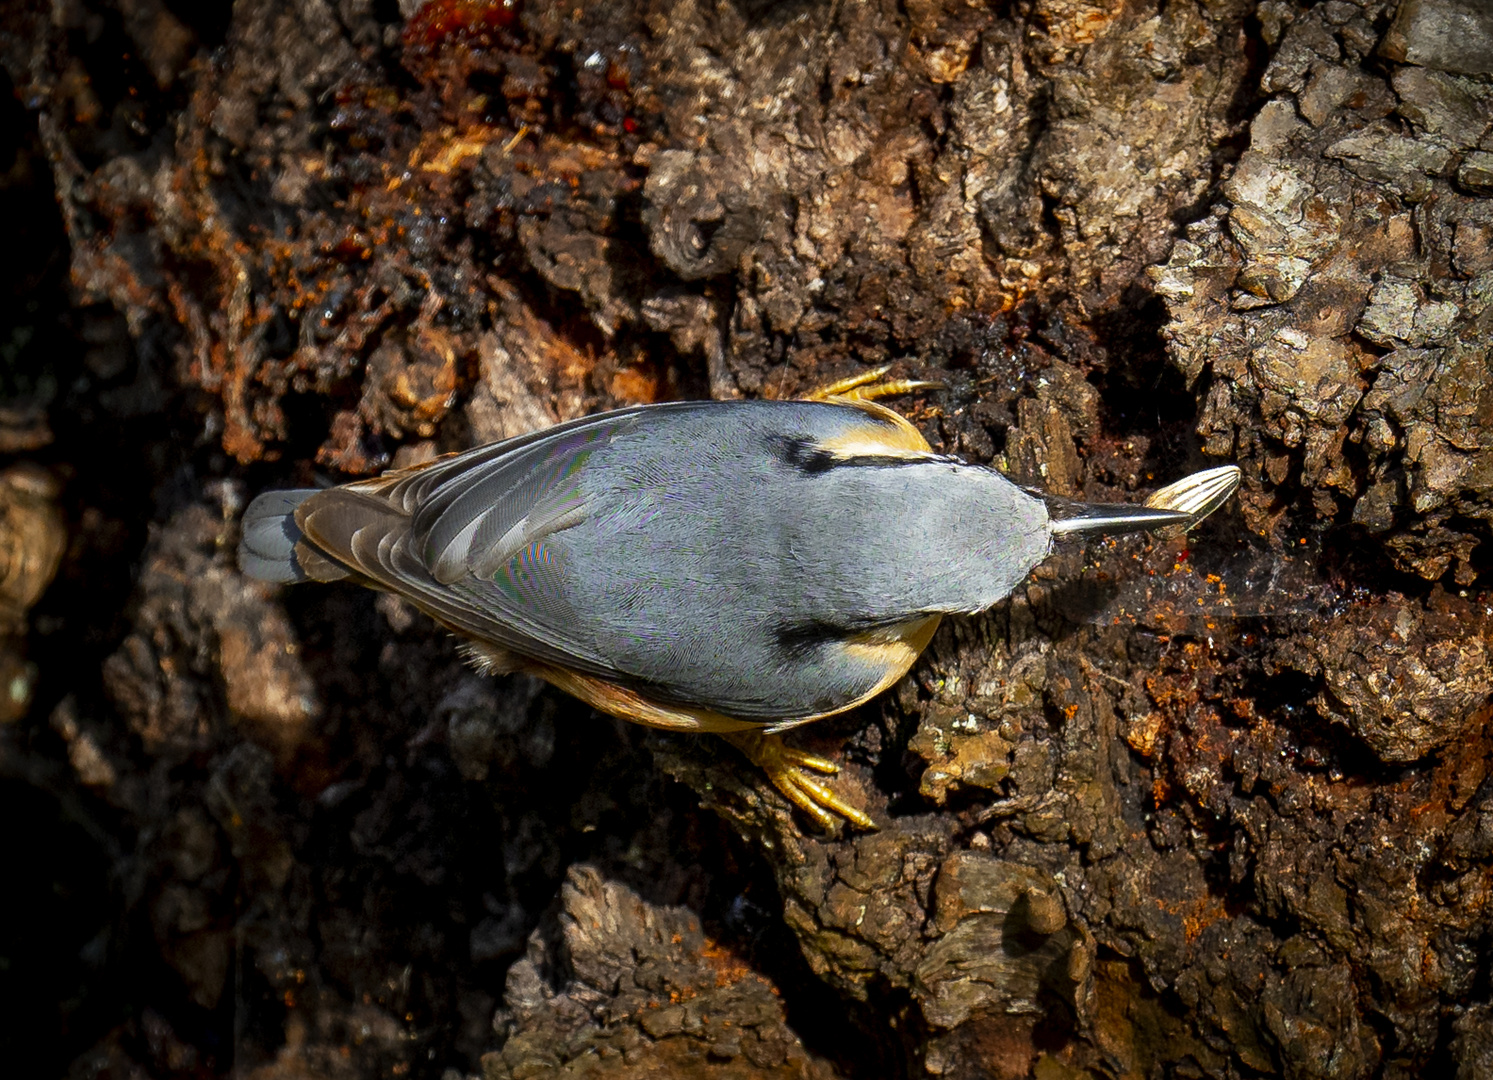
523 497
464 537
374 540
476 511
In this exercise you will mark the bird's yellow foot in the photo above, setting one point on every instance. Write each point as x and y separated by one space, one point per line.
789 769
868 386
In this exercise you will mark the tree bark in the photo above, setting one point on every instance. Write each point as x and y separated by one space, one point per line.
1206 807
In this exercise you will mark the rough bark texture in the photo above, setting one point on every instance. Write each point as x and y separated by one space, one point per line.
1219 812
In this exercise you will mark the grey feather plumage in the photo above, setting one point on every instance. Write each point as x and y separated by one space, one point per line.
269 536
709 554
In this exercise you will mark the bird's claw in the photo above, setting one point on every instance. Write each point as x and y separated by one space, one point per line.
868 386
789 768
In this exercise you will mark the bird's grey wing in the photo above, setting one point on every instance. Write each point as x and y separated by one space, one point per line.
469 538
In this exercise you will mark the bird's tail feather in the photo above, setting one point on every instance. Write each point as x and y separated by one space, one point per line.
272 546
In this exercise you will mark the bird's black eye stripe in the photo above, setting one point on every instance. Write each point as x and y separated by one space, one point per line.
802 638
803 453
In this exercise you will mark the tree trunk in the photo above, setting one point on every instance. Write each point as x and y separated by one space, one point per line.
1213 807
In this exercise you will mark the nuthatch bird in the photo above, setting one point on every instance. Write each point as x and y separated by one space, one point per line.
739 567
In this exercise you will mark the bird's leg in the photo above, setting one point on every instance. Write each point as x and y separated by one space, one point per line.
868 386
789 769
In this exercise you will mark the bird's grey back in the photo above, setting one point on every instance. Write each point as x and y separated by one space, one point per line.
724 556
